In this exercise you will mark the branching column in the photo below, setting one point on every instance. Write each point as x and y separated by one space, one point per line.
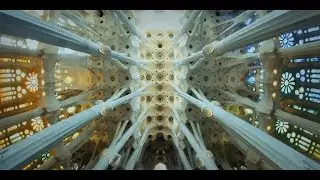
124 19
17 155
266 27
110 153
71 148
203 155
182 155
137 152
272 150
21 24
190 21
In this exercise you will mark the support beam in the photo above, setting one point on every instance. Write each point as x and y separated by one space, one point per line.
196 64
108 154
196 134
21 24
119 134
260 107
237 60
21 153
202 154
51 101
199 130
269 26
193 16
302 51
124 19
198 94
182 155
271 149
125 58
193 58
125 156
137 152
77 19
237 21
33 28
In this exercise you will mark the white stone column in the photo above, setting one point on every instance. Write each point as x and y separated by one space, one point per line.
190 21
192 58
137 152
108 154
202 154
18 154
236 60
21 24
124 19
197 136
123 57
182 155
302 51
269 26
272 150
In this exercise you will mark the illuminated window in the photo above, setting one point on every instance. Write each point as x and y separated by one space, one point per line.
298 138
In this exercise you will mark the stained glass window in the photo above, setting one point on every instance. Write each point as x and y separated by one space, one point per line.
298 138
300 94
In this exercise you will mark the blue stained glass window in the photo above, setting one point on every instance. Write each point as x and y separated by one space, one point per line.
251 80
250 49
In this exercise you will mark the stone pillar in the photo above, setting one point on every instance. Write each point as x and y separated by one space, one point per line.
197 136
51 102
21 24
18 154
182 155
198 95
124 19
190 21
237 20
267 27
137 152
125 156
125 58
109 153
196 64
272 150
302 51
118 135
202 154
192 58
76 17
191 157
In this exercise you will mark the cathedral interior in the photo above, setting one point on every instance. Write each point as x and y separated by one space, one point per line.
160 90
